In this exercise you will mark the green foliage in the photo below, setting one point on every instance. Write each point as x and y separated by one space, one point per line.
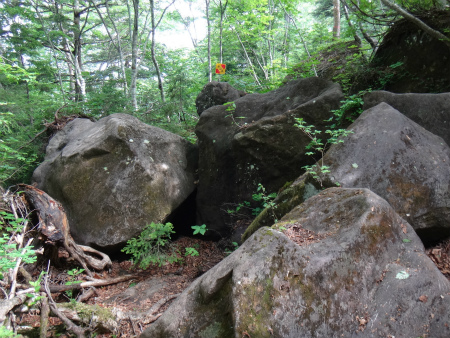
73 273
265 199
235 246
9 251
191 252
351 107
5 333
317 145
152 246
199 229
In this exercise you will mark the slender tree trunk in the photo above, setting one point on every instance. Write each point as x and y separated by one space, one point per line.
252 68
301 37
337 20
347 17
117 45
208 23
134 54
222 8
80 84
155 62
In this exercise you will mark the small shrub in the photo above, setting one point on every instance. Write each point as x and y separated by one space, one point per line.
152 246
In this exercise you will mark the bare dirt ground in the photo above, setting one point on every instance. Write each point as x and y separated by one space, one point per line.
148 288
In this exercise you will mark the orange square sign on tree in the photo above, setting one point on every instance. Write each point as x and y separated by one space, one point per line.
220 68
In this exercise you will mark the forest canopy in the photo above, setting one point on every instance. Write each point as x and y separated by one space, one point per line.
98 57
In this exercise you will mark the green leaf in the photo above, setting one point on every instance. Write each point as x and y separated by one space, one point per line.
354 165
405 240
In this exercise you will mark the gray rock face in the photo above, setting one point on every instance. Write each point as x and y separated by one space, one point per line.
431 111
215 94
359 270
401 162
395 158
115 176
255 141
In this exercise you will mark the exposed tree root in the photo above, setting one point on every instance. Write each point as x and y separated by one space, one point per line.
54 225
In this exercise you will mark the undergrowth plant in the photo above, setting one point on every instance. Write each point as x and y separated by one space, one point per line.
152 246
265 199
11 250
318 145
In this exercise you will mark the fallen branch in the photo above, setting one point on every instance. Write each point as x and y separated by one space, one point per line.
45 311
94 283
71 326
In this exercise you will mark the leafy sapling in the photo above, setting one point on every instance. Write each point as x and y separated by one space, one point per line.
317 145
152 246
198 229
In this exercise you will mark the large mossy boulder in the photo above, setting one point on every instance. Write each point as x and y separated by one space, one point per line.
347 265
254 141
395 158
115 176
409 60
431 111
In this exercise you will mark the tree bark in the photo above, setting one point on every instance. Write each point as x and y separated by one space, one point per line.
337 20
155 62
208 24
134 54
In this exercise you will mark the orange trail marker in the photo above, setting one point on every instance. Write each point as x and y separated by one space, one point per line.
220 68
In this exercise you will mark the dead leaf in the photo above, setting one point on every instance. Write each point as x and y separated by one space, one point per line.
403 228
423 298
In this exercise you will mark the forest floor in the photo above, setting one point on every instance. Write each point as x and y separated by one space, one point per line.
148 288
159 286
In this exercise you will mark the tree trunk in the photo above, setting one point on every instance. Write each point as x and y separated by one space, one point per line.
337 20
223 8
255 76
155 62
80 84
208 23
134 54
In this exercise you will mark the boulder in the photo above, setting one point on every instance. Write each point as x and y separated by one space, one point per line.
216 93
431 111
254 141
115 176
346 266
409 60
395 158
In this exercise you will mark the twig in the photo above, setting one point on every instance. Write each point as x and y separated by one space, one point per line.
16 269
79 332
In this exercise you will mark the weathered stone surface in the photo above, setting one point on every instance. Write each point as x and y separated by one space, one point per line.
400 161
215 94
255 142
394 157
115 176
431 111
345 283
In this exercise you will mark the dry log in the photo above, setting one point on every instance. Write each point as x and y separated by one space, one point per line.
54 225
